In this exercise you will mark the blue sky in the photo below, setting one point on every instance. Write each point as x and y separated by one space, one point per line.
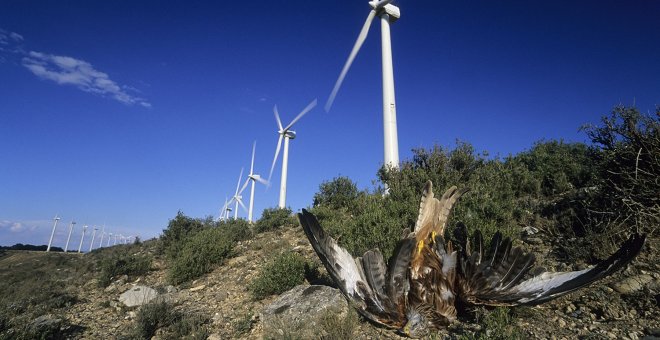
123 113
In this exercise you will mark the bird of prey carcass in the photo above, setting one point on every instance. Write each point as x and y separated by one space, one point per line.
425 280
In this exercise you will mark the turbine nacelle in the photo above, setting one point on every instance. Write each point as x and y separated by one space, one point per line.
288 134
387 7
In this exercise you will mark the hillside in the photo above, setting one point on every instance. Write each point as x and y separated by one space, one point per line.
39 290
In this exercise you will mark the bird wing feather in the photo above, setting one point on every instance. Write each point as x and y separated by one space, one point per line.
361 280
496 278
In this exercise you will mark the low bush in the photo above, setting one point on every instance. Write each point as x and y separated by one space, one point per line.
178 229
152 316
200 253
236 230
122 264
339 327
275 218
284 272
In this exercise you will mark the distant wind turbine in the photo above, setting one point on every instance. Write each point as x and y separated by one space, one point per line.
52 233
66 247
91 244
108 242
84 228
227 211
223 211
252 177
285 133
237 195
102 234
387 13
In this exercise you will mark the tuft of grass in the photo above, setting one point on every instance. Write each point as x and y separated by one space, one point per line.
283 273
243 324
338 327
497 325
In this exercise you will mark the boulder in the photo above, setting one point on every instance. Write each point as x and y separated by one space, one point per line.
46 324
299 311
137 296
632 284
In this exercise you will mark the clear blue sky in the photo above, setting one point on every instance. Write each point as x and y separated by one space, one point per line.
124 112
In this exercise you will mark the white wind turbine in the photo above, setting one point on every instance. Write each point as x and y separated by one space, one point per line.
253 178
237 196
84 228
102 234
387 13
91 245
50 241
223 211
66 247
286 134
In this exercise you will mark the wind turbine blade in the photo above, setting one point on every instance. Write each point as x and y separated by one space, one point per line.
247 181
277 153
254 146
240 201
262 181
304 111
239 182
356 48
277 117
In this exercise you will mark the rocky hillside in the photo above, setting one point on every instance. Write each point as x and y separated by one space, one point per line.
56 295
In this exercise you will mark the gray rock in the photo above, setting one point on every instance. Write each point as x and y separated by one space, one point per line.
137 296
300 310
632 284
47 325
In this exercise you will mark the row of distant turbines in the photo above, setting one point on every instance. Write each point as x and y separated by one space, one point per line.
118 238
387 13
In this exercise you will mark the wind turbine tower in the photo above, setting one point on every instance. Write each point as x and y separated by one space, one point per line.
237 195
285 133
252 177
52 233
91 244
66 247
84 228
388 13
102 234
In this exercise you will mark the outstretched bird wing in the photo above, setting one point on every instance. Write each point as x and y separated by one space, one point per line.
496 277
376 291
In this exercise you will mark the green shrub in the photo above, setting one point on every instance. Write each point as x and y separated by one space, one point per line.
236 230
152 316
337 193
275 218
175 324
189 326
284 272
117 265
178 229
200 253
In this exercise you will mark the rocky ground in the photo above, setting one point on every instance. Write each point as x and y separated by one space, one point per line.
624 306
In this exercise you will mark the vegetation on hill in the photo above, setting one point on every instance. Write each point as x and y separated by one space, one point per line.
590 194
